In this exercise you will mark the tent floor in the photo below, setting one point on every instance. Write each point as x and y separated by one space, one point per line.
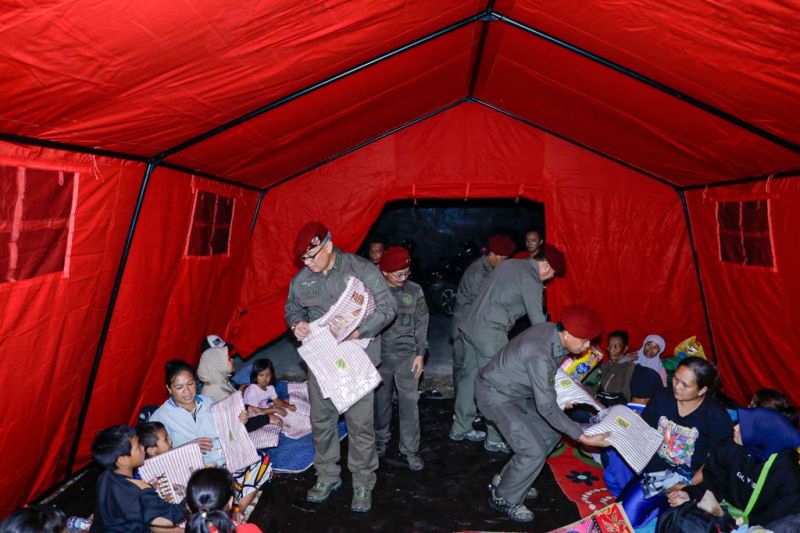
450 494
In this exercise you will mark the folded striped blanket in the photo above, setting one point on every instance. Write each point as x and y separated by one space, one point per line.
237 447
570 392
342 368
170 471
632 437
265 436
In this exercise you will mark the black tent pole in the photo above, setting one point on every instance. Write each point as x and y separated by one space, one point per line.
576 143
255 212
476 67
749 179
327 81
107 322
689 229
776 139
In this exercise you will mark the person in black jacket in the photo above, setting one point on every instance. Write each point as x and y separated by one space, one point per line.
733 469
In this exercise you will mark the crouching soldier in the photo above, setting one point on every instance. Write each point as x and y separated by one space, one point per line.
403 346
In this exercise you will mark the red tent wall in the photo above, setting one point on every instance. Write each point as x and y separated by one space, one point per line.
753 310
624 234
50 324
167 302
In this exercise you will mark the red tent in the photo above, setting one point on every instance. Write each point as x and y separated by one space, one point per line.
157 158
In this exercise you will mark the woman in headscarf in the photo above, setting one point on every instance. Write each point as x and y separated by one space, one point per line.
733 470
649 355
214 371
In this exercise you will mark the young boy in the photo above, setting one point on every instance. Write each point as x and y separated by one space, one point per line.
124 504
403 346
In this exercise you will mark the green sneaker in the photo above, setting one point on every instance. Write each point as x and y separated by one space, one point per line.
473 435
322 490
415 462
362 500
532 493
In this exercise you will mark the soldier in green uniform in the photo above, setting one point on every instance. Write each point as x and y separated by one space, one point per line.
403 346
516 390
312 292
512 290
500 248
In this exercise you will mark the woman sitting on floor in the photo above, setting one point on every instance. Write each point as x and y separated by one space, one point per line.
214 370
763 439
188 418
692 424
649 355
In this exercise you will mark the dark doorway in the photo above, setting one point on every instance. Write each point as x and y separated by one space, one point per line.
445 236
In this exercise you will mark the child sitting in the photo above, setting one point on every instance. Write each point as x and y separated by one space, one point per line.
262 399
154 437
775 399
209 497
125 504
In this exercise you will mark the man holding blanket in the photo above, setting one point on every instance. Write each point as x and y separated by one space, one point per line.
312 292
516 391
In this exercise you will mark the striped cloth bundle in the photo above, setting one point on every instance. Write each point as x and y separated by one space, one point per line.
633 438
342 368
569 391
297 423
354 304
237 447
169 472
266 436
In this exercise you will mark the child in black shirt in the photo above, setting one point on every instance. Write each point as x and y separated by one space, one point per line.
125 504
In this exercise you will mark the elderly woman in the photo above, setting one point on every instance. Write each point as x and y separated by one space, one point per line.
692 424
649 355
762 452
188 418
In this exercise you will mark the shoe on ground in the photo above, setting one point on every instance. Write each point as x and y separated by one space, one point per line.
322 490
415 462
532 493
472 435
497 446
362 500
517 513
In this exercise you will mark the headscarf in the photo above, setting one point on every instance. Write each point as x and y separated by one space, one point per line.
765 431
655 362
213 372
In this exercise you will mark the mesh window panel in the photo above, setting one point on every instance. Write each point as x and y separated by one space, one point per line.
744 233
211 224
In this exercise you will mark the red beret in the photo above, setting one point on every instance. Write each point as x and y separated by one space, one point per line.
311 235
581 321
394 259
555 258
501 245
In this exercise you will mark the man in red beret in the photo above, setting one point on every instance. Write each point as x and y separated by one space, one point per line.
512 290
516 391
500 248
312 292
403 347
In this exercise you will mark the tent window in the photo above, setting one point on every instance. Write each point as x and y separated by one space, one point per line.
36 213
211 225
744 233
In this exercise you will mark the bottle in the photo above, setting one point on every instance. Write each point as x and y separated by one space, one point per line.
76 524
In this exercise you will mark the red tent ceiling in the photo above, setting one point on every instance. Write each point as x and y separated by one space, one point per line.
143 78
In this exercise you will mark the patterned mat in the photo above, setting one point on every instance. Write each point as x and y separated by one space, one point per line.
609 519
580 478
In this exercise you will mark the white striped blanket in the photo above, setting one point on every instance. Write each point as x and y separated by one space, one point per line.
570 392
343 370
170 471
237 447
633 438
266 436
297 423
353 305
